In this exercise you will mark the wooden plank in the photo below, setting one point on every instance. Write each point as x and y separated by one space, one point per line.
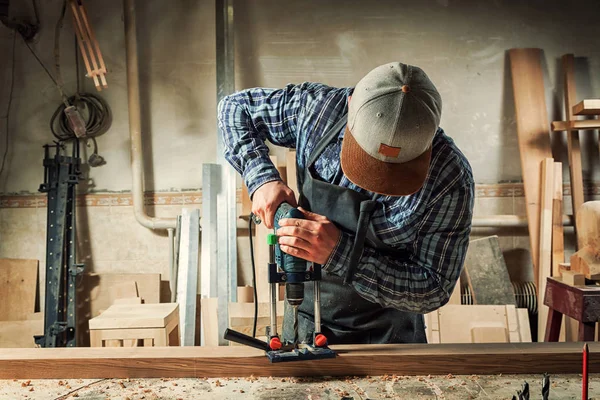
352 360
19 334
456 323
558 238
187 279
127 289
210 321
545 250
489 334
588 224
246 202
581 125
484 263
573 146
532 130
587 107
524 328
18 288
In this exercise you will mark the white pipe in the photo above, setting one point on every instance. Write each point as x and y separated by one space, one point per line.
135 124
509 221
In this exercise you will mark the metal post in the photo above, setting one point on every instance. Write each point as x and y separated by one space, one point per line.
317 290
226 198
272 294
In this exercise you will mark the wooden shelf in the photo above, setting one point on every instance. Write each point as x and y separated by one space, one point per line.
580 125
587 107
352 360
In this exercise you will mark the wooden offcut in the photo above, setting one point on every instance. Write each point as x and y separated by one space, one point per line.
545 250
587 259
581 125
19 334
477 324
532 131
351 360
587 107
18 288
484 263
187 278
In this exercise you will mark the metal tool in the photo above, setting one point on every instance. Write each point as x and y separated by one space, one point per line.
294 272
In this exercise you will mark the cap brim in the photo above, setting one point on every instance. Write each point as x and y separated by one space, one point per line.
390 179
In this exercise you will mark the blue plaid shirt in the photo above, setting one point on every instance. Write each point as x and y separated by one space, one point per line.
433 224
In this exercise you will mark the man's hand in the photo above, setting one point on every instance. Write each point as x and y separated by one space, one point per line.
312 239
268 197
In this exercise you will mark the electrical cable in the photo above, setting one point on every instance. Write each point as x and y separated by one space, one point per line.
41 63
36 12
94 110
10 95
250 221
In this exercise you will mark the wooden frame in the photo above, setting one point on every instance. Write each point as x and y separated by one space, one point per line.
352 360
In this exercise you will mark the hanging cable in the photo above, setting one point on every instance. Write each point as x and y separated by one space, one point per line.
10 95
95 112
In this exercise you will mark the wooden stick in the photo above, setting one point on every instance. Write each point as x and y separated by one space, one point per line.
545 258
92 37
352 360
587 107
573 146
558 239
83 52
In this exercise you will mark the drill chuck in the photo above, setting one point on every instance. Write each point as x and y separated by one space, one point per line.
294 293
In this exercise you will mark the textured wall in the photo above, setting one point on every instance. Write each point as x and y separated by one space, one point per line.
460 44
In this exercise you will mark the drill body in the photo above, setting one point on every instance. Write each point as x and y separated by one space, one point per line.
294 267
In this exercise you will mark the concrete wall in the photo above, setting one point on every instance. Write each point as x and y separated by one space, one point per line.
461 44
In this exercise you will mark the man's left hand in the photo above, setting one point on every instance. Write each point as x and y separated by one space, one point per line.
312 239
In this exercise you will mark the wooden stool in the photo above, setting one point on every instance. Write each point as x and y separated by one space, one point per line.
581 303
154 324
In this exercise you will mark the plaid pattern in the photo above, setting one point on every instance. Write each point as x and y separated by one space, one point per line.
432 226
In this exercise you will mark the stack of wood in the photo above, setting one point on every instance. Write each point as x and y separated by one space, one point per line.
542 176
19 288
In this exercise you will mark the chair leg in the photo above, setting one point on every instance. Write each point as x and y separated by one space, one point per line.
553 326
587 331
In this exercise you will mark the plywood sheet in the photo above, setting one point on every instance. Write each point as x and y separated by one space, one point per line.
19 334
124 316
533 133
487 274
18 288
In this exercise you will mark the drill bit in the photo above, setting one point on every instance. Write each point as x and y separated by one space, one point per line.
546 387
295 326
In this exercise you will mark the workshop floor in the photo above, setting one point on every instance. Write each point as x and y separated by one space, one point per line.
386 387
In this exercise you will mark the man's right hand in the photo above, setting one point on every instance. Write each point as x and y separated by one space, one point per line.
268 197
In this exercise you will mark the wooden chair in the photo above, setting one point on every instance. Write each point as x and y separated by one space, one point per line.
151 324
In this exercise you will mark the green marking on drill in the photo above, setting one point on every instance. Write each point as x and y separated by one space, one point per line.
271 239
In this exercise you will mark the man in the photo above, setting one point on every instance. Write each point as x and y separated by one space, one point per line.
387 196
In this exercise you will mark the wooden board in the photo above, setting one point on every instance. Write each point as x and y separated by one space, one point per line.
587 107
545 250
352 360
209 315
533 133
291 168
573 146
558 237
588 224
484 263
18 288
187 275
19 334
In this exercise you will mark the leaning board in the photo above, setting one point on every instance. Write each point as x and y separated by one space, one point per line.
18 287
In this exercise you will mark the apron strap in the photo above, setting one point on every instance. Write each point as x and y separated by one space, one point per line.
325 140
364 221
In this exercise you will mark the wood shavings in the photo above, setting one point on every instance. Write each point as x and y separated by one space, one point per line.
25 384
218 383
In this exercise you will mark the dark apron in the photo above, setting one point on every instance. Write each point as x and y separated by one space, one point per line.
346 317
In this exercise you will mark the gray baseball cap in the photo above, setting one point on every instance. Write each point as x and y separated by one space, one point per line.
393 115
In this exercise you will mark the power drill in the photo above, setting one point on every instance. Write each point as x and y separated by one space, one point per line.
291 265
293 272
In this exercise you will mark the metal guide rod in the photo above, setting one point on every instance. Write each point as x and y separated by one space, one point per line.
317 291
273 295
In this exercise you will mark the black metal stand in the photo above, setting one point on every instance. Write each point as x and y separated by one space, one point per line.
61 174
